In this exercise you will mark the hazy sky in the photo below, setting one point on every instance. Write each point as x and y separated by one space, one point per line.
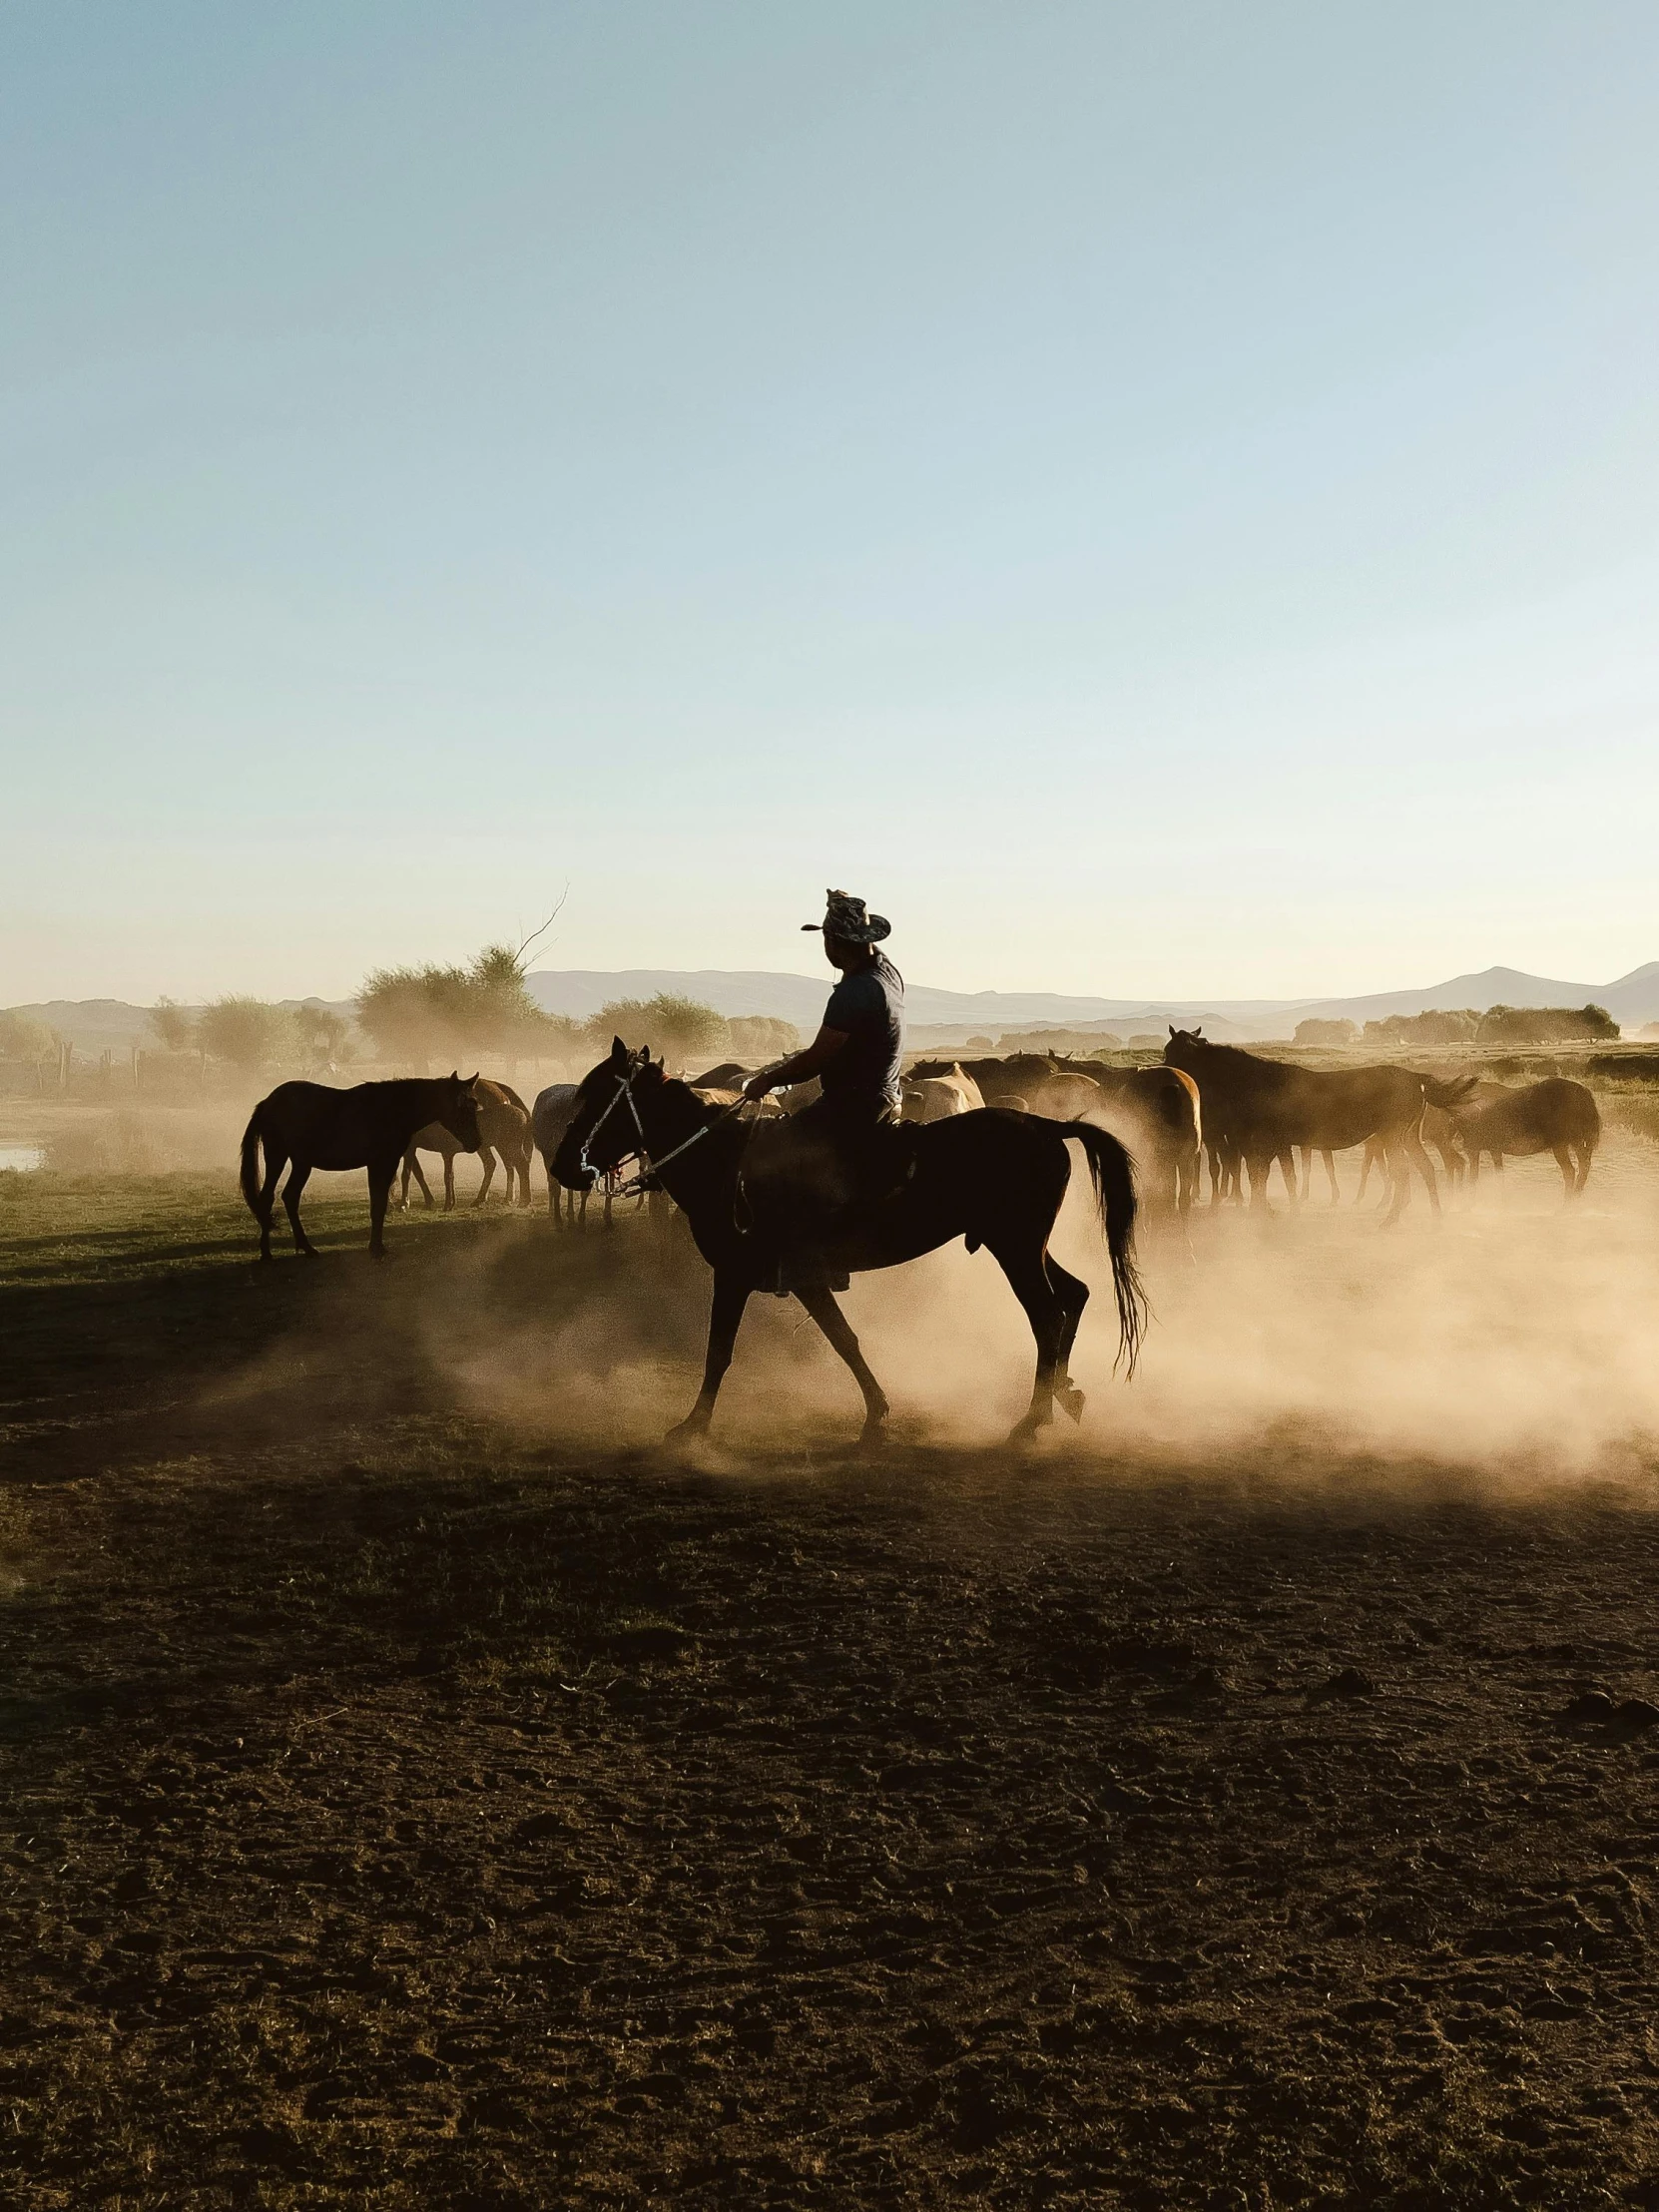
1159 498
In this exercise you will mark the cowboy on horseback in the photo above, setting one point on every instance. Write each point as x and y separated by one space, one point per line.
844 1148
801 1204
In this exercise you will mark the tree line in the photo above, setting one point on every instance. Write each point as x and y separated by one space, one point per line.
1497 1025
412 1015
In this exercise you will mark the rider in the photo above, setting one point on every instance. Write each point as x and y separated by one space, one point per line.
840 1146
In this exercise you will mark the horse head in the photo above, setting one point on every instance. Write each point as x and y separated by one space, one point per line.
1184 1045
602 1131
459 1111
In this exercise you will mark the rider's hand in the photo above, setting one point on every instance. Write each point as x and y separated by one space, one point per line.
758 1085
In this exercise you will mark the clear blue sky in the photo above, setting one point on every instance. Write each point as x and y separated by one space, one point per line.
1158 498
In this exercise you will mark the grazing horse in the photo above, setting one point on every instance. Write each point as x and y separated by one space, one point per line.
368 1126
994 1178
504 1128
1556 1116
1265 1108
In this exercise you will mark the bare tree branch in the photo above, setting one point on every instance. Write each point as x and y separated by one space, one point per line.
524 947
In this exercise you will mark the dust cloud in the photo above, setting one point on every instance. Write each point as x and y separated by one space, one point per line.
1514 1336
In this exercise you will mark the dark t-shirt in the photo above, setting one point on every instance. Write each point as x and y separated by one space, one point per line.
868 1008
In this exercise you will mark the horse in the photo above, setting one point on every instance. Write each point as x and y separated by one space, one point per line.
1018 1075
1556 1116
1440 1129
991 1177
939 1097
504 1127
1265 1108
549 1119
367 1126
1159 1111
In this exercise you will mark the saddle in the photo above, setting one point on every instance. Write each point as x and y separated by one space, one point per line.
801 1185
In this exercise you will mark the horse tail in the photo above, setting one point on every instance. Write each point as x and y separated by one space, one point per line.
1451 1093
1113 1174
250 1164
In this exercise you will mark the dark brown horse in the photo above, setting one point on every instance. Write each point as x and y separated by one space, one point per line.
991 1177
1264 1108
368 1126
1555 1115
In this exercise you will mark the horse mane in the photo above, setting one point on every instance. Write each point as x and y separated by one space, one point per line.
1233 1052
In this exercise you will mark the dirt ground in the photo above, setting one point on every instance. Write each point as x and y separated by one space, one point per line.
421 1792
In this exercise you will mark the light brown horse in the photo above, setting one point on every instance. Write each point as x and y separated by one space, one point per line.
504 1128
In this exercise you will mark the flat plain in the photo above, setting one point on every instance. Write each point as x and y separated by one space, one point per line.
420 1791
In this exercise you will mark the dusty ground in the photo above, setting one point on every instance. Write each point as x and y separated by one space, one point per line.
411 1804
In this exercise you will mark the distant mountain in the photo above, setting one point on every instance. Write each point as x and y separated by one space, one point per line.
580 992
112 1024
1633 999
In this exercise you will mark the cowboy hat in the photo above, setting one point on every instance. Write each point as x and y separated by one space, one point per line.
845 918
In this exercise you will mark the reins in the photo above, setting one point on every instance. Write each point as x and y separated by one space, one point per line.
650 1172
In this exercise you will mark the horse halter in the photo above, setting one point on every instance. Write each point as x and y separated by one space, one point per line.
642 1151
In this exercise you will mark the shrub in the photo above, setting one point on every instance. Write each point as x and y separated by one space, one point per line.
22 1037
173 1025
679 1028
247 1032
413 1012
1429 1027
1544 1024
1315 1031
763 1037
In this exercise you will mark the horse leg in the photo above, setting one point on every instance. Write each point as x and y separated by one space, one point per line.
1399 1182
1073 1295
1029 1280
1330 1159
1306 1171
1424 1167
488 1157
381 1174
1563 1160
552 1190
820 1303
730 1297
1585 1153
275 1162
292 1189
411 1166
449 1182
1287 1168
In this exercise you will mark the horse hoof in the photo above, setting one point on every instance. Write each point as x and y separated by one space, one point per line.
1073 1401
1027 1430
685 1431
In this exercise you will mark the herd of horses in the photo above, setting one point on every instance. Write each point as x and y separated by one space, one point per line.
989 1163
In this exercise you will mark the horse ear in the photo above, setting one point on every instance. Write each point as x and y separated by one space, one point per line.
1172 1028
619 1052
472 1080
455 1075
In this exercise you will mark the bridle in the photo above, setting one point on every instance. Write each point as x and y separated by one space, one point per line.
649 1173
